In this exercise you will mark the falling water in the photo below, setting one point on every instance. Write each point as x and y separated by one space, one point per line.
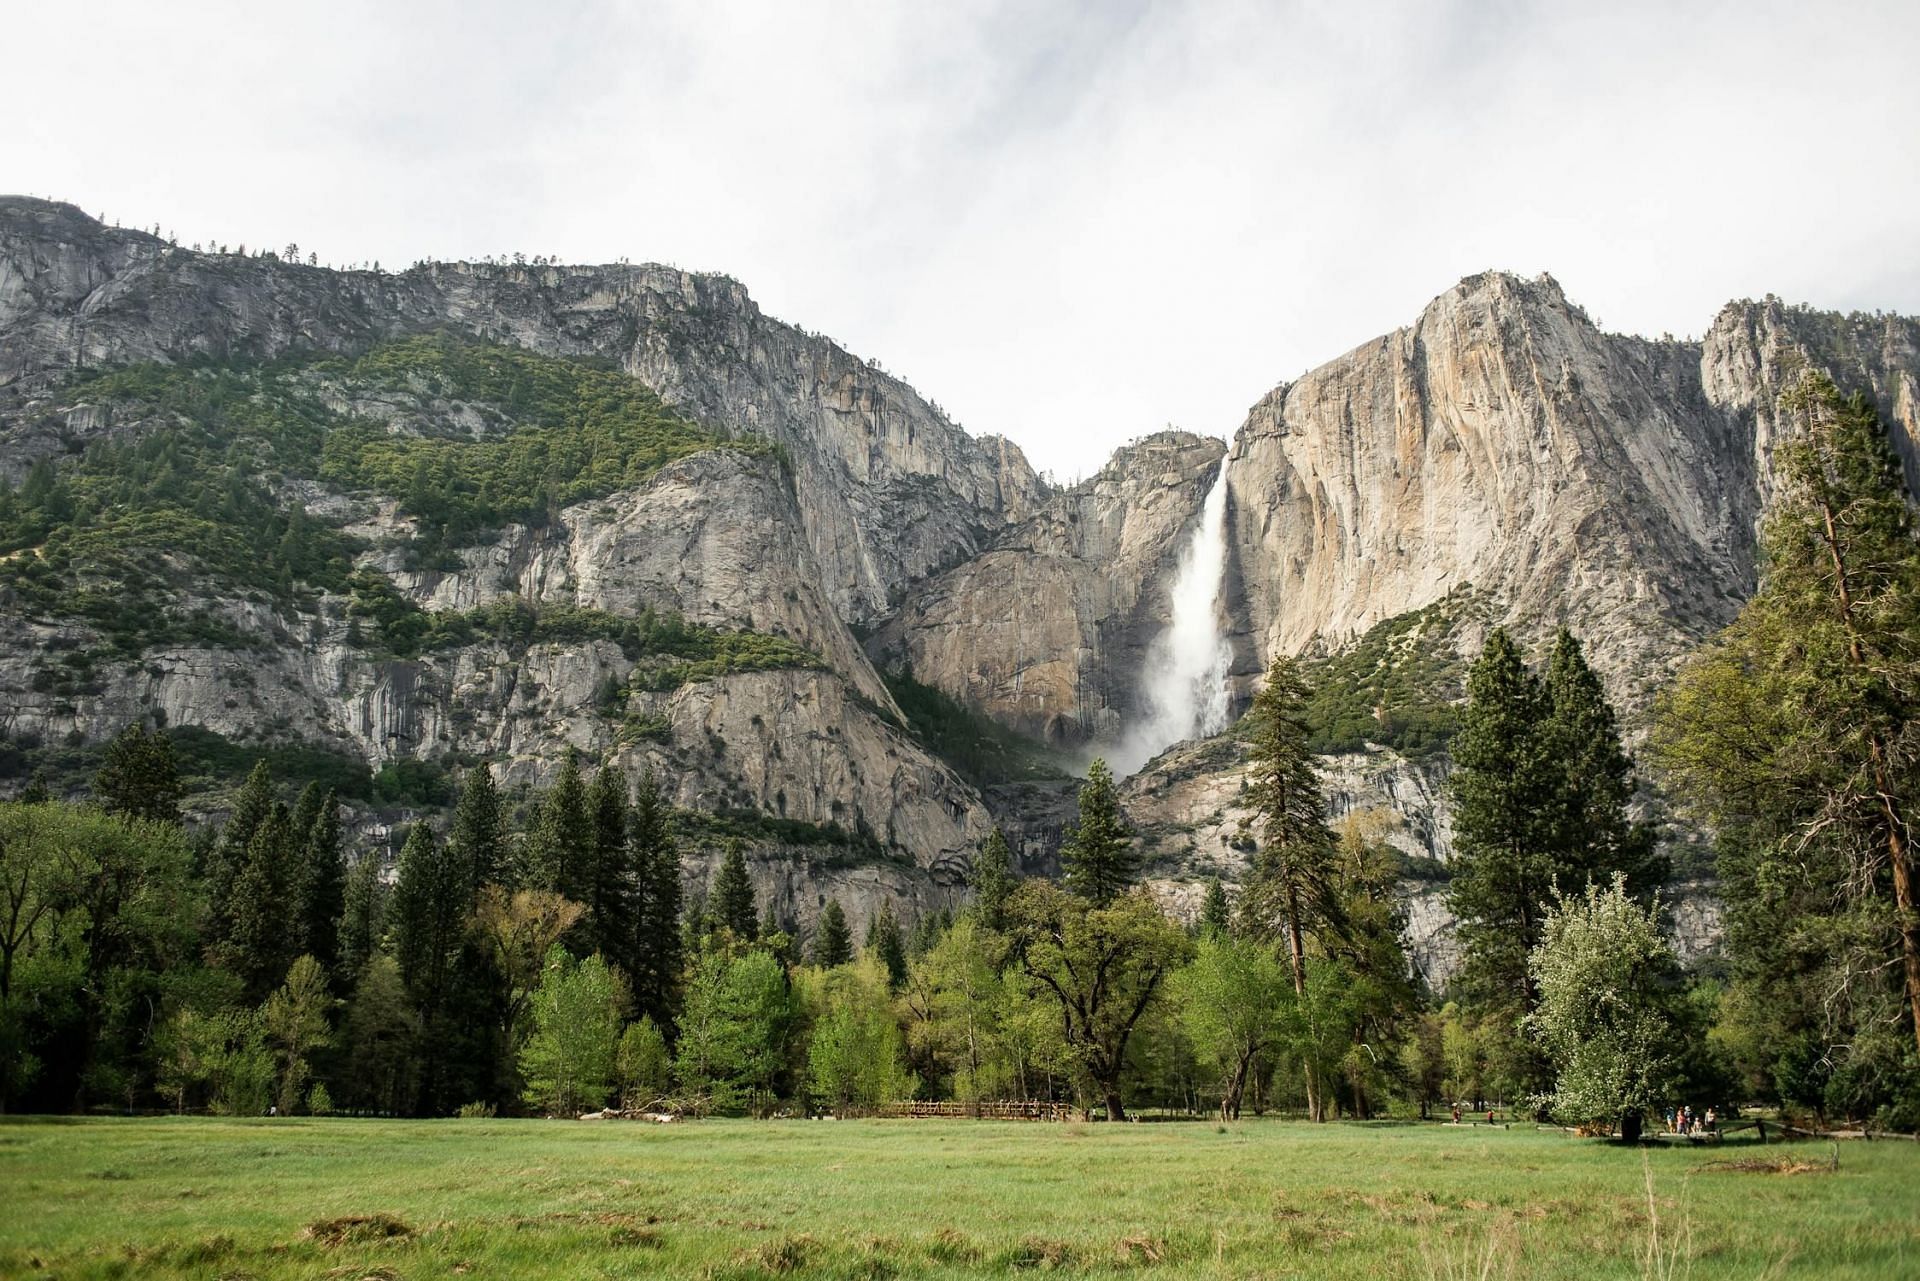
1186 676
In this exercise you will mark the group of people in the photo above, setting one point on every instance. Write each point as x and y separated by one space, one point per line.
1685 1121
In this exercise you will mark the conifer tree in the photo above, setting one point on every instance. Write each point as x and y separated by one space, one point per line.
993 880
560 847
363 917
1507 821
832 939
1098 856
323 885
732 897
137 776
1216 915
886 945
260 943
613 891
479 834
227 857
1289 887
1597 837
427 911
657 935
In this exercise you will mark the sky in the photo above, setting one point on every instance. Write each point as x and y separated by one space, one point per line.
1071 224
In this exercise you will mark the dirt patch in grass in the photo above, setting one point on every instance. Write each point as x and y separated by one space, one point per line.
1040 1253
951 1246
1765 1165
356 1229
1131 1251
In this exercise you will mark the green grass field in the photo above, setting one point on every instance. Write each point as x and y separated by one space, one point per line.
529 1199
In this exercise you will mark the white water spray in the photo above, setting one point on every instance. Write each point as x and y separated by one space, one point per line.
1186 677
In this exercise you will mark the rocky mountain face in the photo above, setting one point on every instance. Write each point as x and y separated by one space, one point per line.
1502 441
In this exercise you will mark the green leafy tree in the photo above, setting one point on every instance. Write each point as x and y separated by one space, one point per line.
735 1028
886 944
966 1018
1607 980
138 777
642 1064
732 896
1231 1000
832 938
479 834
855 1061
1099 857
297 1020
568 1062
1103 967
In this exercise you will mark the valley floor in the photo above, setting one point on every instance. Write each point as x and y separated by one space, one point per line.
528 1199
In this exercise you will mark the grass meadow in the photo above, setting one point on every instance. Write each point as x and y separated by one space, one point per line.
412 1200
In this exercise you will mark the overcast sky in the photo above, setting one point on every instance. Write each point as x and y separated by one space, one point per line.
1071 223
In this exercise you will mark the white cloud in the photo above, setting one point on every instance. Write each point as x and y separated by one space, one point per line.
1070 223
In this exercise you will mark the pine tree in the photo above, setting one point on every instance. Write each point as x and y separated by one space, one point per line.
657 937
612 901
479 835
993 880
732 896
1793 735
260 943
427 910
832 939
560 847
227 858
1598 837
363 917
1507 821
305 811
1289 887
137 776
323 885
1098 855
886 945
1216 915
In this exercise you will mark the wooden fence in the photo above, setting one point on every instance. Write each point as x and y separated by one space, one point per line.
1004 1110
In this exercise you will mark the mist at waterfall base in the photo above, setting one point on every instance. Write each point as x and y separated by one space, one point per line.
1186 673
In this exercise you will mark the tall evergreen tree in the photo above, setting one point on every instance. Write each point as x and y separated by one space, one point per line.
1597 835
1507 822
1289 887
613 892
137 776
260 942
1216 915
887 945
1795 735
362 917
427 911
227 857
993 880
657 950
560 847
323 885
479 834
832 939
1098 856
732 897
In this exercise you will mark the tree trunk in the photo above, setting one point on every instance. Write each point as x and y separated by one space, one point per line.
1630 1126
1115 1112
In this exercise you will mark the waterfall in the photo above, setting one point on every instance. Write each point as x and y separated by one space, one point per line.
1186 675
